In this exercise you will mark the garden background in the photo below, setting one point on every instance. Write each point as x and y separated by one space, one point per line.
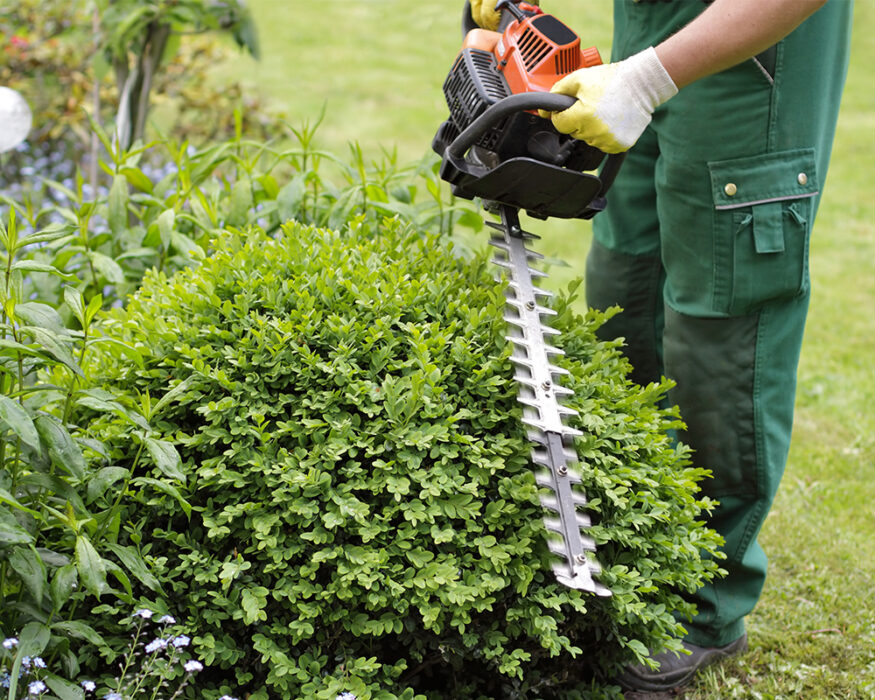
370 73
378 66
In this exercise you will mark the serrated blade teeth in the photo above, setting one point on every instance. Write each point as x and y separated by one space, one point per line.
580 578
552 503
561 371
541 457
555 525
537 437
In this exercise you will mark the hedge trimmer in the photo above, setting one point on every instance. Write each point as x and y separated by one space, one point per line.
495 146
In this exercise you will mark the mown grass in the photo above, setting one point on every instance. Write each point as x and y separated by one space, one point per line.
377 67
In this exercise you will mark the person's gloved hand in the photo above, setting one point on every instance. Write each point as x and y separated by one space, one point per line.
614 102
483 12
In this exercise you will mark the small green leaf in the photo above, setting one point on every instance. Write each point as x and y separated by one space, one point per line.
107 267
241 203
28 566
134 563
90 566
118 205
62 448
11 532
103 479
63 584
166 458
166 223
64 689
79 630
18 420
137 178
164 487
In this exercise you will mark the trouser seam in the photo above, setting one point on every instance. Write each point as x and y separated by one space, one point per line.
762 499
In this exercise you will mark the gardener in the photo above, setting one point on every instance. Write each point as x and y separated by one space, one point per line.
705 244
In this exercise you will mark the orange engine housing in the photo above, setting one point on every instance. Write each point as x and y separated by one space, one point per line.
535 52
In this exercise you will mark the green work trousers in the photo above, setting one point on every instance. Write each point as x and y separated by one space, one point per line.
704 244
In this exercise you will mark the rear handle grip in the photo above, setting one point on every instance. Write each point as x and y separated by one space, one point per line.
525 101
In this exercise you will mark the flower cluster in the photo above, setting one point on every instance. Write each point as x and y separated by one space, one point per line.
155 659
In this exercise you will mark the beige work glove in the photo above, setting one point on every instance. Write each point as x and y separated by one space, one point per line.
484 14
614 102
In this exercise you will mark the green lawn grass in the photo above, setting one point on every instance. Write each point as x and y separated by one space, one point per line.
377 68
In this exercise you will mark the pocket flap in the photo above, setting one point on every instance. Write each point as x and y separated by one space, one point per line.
771 177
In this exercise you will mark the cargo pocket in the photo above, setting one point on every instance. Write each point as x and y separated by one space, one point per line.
763 208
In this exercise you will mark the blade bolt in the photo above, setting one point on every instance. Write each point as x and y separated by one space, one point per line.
530 305
581 558
562 470
546 386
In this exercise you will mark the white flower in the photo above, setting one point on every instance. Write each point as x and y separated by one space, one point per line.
89 686
10 643
227 697
38 662
155 645
144 613
346 696
193 666
36 688
181 641
167 620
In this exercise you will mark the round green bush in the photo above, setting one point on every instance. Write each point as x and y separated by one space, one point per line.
363 516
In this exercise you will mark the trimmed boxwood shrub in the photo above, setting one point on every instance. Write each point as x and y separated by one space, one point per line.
363 516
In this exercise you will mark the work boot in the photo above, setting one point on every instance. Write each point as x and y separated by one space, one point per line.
676 670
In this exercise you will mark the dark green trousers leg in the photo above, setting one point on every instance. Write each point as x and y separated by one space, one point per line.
735 165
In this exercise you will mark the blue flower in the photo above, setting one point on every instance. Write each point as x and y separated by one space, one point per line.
346 696
10 643
89 686
38 662
36 688
113 696
156 645
181 641
144 613
167 620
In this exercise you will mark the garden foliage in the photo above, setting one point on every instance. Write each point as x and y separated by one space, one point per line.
61 503
331 481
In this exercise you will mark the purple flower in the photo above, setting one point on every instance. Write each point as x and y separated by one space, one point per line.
193 666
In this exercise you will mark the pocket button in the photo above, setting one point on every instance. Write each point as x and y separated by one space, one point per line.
730 189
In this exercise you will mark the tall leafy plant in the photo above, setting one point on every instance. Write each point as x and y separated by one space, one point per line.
138 36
